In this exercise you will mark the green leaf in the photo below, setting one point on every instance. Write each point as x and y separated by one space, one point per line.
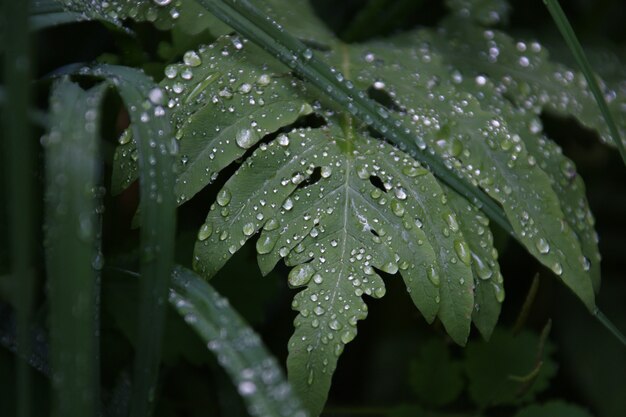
336 232
481 139
447 118
72 231
239 350
523 72
494 368
436 379
156 144
553 409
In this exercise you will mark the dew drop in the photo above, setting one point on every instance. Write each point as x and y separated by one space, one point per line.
205 232
192 59
300 275
542 246
223 197
463 251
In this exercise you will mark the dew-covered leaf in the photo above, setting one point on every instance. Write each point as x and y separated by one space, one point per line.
186 15
523 72
162 11
338 206
488 281
223 99
478 143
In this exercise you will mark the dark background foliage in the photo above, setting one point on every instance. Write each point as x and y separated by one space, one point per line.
396 349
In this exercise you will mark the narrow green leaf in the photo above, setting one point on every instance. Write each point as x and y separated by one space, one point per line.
155 145
574 45
47 20
72 175
20 167
115 11
252 23
255 373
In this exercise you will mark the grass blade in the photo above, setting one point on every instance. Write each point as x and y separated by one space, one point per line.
72 175
47 20
239 350
253 24
20 165
574 45
155 146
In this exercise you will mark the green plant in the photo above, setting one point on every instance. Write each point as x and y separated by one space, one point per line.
352 160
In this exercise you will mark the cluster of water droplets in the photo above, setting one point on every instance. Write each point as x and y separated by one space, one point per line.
118 10
224 98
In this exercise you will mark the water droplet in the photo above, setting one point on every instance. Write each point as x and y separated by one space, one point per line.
499 293
413 171
433 275
205 231
283 140
248 229
192 59
542 246
266 243
245 138
272 224
397 208
451 220
223 197
463 251
335 325
300 275
348 335
246 388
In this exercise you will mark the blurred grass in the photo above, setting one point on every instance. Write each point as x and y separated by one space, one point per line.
19 165
72 254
